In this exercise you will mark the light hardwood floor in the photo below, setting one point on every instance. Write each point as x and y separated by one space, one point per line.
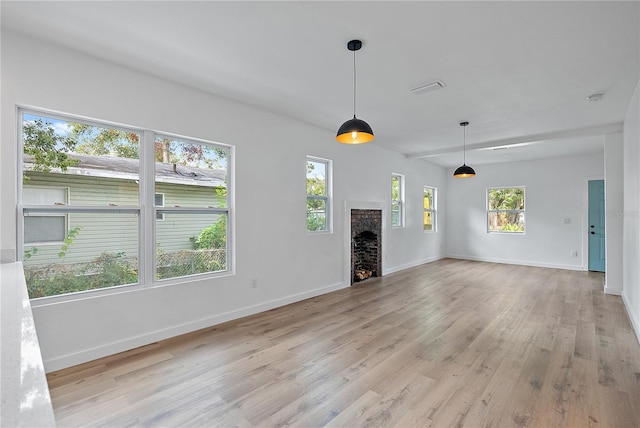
446 344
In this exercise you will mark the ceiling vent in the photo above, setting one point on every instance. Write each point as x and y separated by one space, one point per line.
427 87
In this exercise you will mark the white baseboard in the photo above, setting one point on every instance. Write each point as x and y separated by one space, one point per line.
515 262
394 269
635 322
90 354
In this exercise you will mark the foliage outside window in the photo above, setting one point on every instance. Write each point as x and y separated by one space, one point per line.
429 204
506 209
397 200
98 166
318 194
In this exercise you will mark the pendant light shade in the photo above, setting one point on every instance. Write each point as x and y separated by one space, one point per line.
354 131
464 171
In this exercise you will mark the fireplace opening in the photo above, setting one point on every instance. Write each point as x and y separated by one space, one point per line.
366 244
365 252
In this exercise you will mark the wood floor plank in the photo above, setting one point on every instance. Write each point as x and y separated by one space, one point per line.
616 408
583 404
372 372
449 343
552 407
358 410
455 410
489 405
527 390
585 340
626 353
609 366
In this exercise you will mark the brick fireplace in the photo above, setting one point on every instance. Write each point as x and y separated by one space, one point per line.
366 244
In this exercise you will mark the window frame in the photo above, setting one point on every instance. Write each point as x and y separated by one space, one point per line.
400 201
522 211
327 198
433 210
145 209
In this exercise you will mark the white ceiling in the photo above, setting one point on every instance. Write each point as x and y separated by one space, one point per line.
517 71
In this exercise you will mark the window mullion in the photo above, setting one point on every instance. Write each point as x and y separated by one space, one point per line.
147 238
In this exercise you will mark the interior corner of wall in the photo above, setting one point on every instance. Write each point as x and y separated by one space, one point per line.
617 291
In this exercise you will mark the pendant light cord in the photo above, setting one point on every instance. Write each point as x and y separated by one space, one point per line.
354 83
464 149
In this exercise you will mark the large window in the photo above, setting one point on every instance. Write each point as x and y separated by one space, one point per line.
429 203
318 194
397 200
85 205
505 209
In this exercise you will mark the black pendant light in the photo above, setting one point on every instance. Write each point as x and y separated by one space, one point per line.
464 171
354 131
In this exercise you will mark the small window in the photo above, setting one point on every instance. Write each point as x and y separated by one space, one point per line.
505 210
429 204
159 203
397 200
318 195
44 228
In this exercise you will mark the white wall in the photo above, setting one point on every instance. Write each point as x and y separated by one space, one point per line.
614 205
631 214
555 190
270 179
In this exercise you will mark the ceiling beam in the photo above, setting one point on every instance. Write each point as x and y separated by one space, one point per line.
524 140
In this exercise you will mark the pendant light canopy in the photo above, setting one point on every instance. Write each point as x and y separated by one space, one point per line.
354 131
464 171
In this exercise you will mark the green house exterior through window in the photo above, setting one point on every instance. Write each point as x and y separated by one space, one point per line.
81 200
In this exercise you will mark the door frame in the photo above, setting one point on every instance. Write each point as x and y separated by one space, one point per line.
584 231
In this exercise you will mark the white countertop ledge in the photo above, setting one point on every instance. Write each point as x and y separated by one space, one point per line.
24 392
